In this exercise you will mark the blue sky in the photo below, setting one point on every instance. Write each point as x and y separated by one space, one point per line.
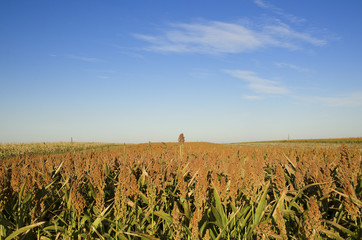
218 71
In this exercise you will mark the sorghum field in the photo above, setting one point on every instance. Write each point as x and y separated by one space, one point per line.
16 149
183 191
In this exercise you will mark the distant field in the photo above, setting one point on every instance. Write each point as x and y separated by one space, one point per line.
307 143
18 149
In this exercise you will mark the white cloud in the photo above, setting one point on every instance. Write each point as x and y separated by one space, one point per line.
290 17
85 59
291 66
214 37
258 84
210 37
260 3
288 37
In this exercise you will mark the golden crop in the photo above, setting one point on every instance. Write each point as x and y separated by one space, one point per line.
197 191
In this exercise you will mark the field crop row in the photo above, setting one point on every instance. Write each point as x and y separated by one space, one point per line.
183 191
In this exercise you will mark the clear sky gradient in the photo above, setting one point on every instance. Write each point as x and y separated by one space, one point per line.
218 71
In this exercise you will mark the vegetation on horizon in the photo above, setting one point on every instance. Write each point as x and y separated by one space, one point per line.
356 140
17 149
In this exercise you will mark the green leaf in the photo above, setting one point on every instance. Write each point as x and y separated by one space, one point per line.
301 191
216 214
120 235
331 234
21 193
280 202
54 228
44 238
186 207
343 229
99 235
144 197
85 218
220 210
141 235
49 185
100 217
226 225
261 206
23 229
164 216
244 220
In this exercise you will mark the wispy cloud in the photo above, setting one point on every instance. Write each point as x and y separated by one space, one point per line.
215 37
261 3
291 66
279 11
289 38
258 84
82 58
208 37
